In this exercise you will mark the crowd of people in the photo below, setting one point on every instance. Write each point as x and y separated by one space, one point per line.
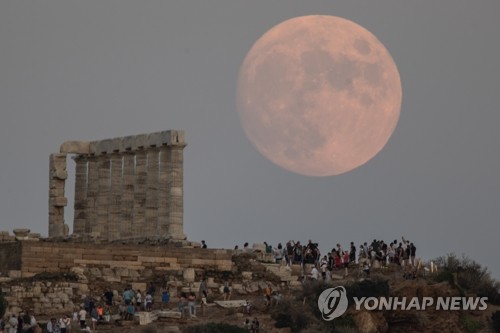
339 259
27 323
92 313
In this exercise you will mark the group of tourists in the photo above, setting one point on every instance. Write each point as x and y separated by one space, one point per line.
133 301
252 325
378 252
26 323
22 323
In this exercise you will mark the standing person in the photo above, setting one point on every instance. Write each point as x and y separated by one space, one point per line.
247 324
203 244
107 314
29 323
288 251
338 260
226 291
203 288
268 291
138 300
64 324
278 253
413 249
203 305
165 298
399 255
297 253
346 263
130 311
323 264
148 302
391 252
20 323
53 326
255 326
108 295
82 315
94 316
151 290
314 273
128 294
100 313
352 253
192 305
248 308
340 250
182 303
13 322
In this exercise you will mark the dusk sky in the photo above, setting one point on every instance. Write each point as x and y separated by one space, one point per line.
90 70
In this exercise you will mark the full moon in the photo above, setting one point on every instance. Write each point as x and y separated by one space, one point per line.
319 95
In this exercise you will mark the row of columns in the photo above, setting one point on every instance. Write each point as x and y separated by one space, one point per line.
129 187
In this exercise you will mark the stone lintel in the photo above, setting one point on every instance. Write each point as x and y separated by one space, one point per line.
136 142
75 147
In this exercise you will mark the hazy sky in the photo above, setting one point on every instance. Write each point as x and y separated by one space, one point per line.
88 70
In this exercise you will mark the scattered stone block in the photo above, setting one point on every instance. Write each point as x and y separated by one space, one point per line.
188 274
169 314
146 317
14 274
231 304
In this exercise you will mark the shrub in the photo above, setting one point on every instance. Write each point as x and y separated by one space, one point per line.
287 315
149 330
215 328
471 276
471 325
364 288
367 288
3 305
495 318
444 276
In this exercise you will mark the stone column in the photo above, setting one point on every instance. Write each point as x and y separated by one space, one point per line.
115 197
163 199
102 203
139 194
92 190
57 200
80 204
152 193
128 195
175 191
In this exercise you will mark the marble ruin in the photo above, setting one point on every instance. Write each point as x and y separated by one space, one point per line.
128 187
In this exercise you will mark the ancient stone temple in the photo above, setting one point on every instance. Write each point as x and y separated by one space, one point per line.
128 187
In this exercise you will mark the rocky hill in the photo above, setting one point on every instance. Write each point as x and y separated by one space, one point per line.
294 302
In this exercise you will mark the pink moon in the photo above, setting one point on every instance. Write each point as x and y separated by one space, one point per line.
319 95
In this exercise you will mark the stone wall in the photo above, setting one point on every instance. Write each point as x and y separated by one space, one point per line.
44 297
28 267
49 278
27 258
10 257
